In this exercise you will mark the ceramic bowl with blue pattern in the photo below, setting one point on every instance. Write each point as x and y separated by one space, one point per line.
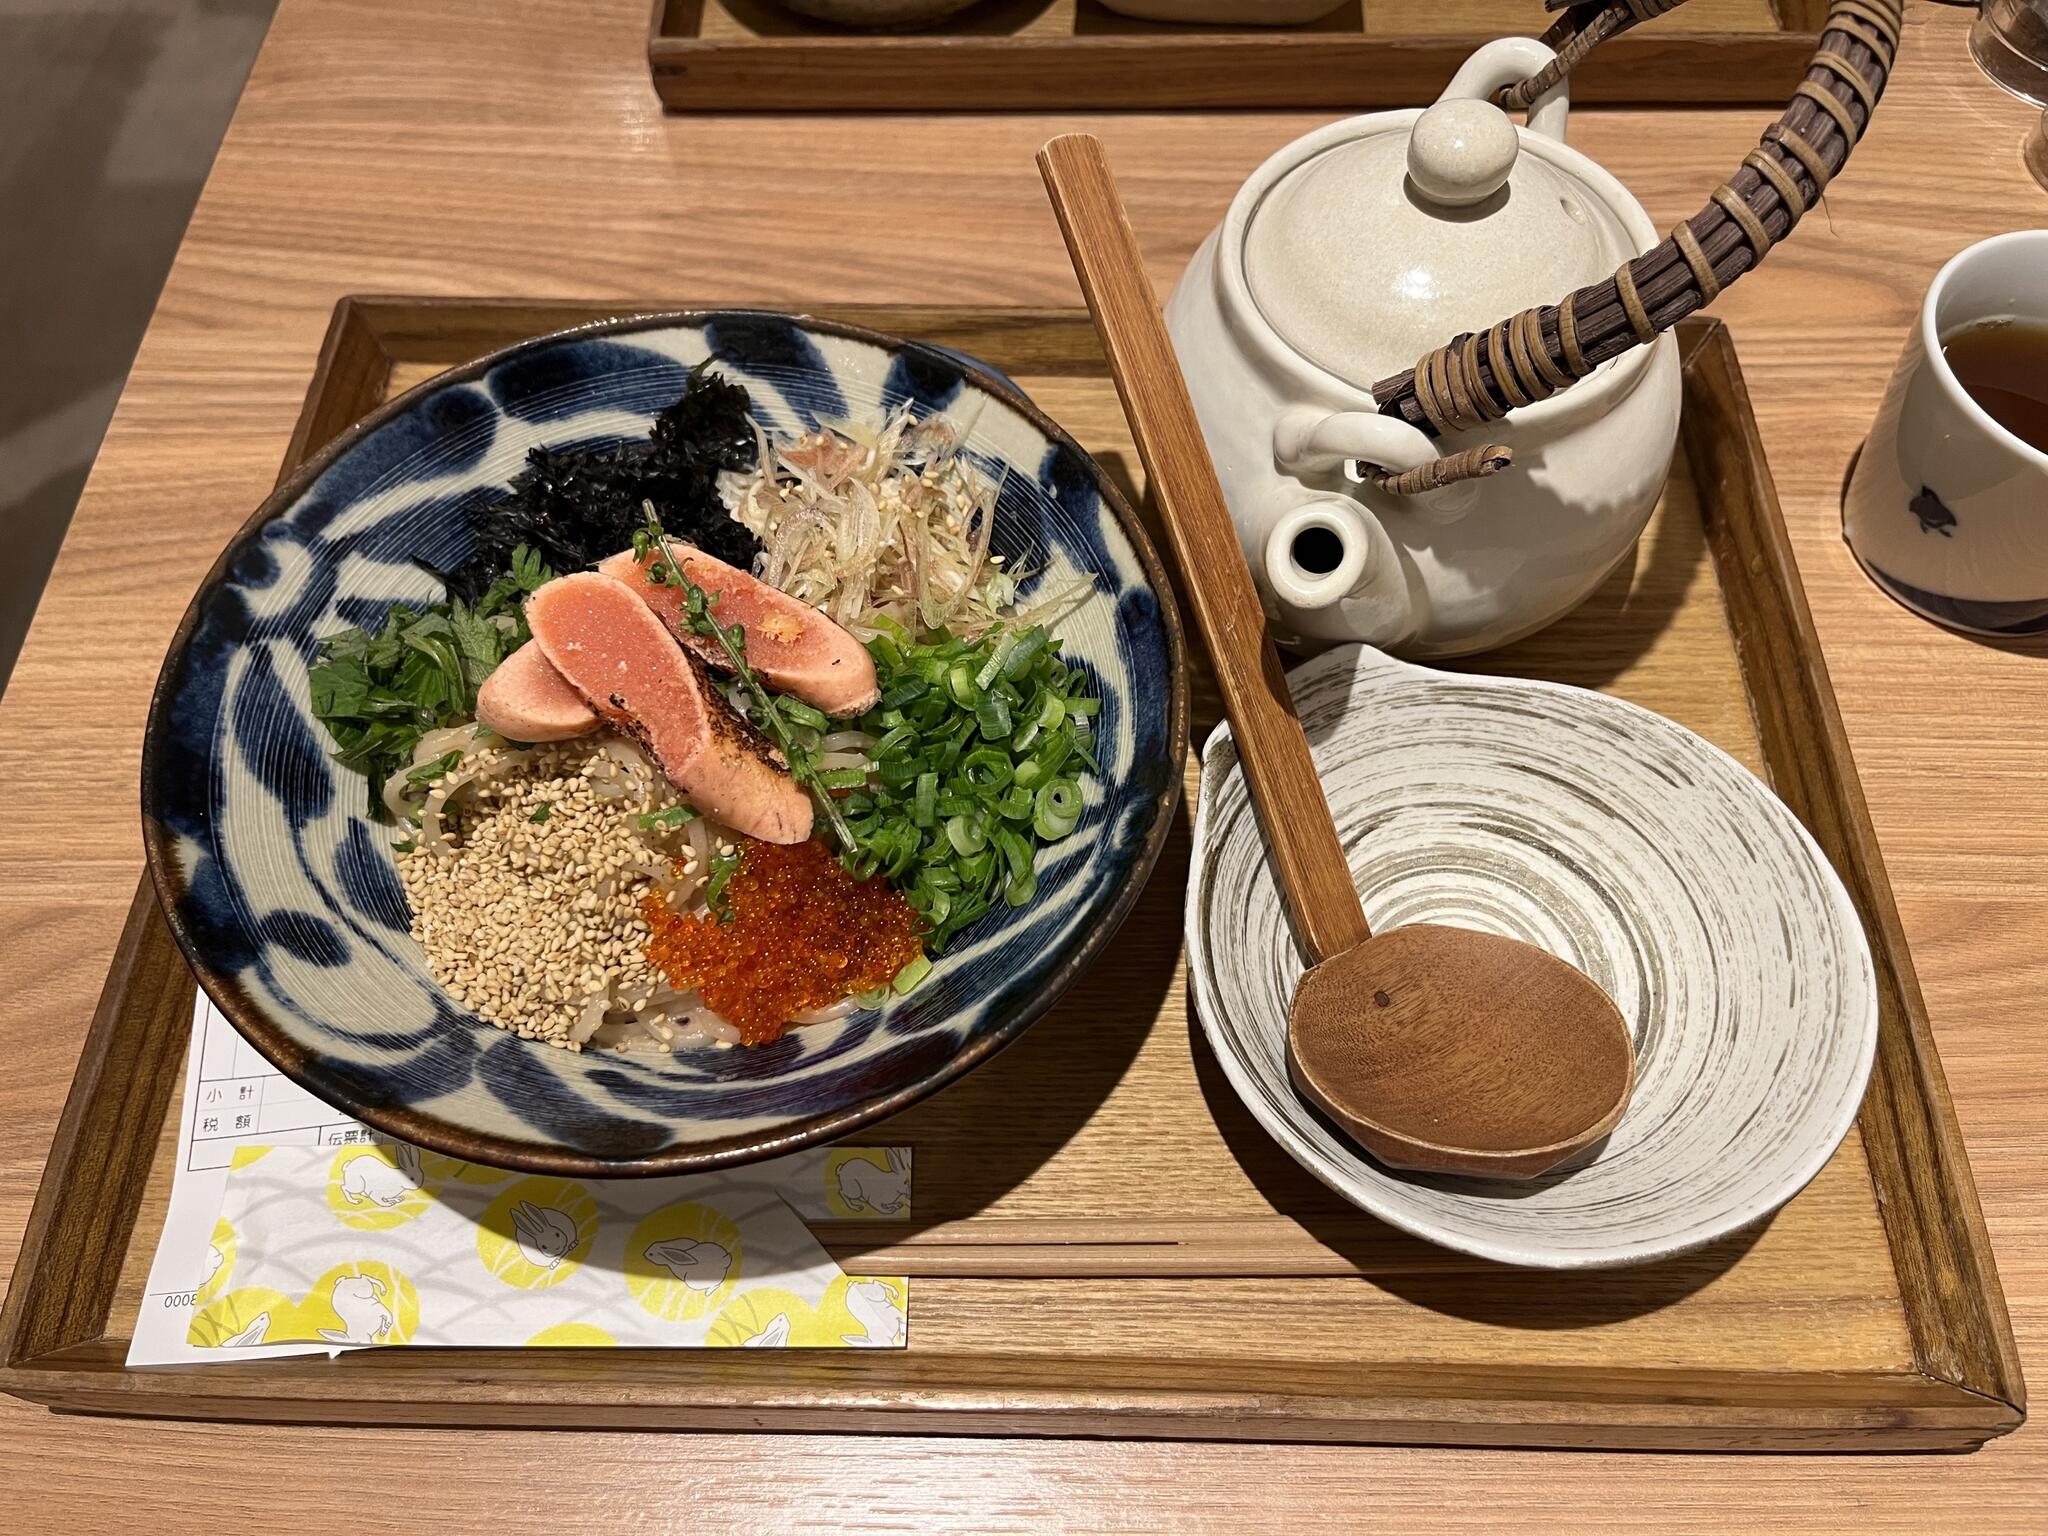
281 889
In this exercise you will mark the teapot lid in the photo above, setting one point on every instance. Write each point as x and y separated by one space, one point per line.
1383 246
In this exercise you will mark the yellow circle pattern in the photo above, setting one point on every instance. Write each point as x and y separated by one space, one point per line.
683 1260
370 1188
537 1233
768 1318
860 1181
361 1303
251 1315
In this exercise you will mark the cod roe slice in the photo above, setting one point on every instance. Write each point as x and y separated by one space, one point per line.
613 650
528 700
792 647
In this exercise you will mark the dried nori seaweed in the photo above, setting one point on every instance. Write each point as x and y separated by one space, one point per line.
578 505
706 429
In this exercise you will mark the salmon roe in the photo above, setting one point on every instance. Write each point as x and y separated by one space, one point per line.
803 933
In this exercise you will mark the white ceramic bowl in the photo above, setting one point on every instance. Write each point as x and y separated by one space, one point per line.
878 14
1614 839
1244 13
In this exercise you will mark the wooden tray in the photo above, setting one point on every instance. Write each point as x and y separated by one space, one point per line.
1059 55
1105 1242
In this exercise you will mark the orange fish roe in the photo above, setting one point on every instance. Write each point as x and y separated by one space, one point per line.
803 934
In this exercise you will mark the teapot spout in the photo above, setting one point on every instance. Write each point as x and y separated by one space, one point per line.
1332 575
1318 554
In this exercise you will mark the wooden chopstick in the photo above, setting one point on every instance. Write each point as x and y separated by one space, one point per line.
1307 857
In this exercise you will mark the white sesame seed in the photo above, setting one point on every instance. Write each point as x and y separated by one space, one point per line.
523 921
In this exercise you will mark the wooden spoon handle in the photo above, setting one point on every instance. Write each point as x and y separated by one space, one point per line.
1314 875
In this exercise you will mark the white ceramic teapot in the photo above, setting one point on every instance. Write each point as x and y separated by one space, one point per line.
1343 259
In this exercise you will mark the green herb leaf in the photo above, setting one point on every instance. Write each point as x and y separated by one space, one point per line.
547 809
722 867
432 769
378 693
732 639
671 816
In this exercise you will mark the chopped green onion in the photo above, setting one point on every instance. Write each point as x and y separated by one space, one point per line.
1053 753
895 741
1024 652
1058 809
965 834
1016 852
969 771
993 667
994 716
986 768
904 691
911 974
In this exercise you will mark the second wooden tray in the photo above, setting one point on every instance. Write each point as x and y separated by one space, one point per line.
1105 1242
1059 55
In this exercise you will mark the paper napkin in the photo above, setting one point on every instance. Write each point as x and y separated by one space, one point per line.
383 1244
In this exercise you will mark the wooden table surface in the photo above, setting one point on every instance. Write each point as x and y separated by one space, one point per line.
487 147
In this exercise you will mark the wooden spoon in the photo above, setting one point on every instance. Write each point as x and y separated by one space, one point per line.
1435 1048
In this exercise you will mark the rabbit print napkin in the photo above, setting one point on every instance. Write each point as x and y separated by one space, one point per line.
385 1244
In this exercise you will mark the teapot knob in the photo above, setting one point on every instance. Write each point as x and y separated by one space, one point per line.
1461 151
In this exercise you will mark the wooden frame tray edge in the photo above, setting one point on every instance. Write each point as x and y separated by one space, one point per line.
1927 1195
1967 1386
833 69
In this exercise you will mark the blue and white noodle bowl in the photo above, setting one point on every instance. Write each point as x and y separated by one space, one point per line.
281 888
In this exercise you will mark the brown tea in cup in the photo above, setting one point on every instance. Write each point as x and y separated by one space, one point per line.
2004 366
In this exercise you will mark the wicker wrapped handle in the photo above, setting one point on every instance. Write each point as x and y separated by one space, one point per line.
1577 34
1480 376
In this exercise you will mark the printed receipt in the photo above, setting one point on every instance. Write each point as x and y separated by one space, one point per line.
233 1098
